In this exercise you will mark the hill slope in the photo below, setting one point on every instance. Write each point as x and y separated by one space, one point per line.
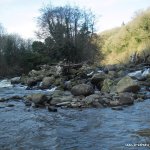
120 43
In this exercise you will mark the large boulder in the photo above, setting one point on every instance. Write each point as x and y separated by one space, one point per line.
127 84
38 98
82 89
47 82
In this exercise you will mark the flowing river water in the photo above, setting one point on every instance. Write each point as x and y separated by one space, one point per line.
27 128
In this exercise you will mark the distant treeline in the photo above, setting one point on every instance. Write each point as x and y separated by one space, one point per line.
67 33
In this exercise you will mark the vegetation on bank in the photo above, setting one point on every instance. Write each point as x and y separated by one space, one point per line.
16 54
68 33
120 43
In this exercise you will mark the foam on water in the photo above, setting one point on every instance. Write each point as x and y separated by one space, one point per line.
51 90
5 83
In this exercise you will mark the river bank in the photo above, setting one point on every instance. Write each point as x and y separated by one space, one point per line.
83 86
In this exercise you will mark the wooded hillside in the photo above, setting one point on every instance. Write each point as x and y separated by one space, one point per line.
119 43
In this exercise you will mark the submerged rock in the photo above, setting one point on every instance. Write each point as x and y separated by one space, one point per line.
144 132
117 108
52 109
3 99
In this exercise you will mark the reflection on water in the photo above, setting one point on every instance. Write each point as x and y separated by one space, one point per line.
25 128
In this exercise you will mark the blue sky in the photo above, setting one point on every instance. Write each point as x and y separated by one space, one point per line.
19 16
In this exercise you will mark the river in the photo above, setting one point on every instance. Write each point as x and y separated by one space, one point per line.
27 128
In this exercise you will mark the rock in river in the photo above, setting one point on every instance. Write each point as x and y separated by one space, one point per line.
97 78
47 82
127 84
82 89
124 99
15 80
38 98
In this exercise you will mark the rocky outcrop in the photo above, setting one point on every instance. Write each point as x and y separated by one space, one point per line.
82 89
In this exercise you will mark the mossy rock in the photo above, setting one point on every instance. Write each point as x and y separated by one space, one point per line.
107 84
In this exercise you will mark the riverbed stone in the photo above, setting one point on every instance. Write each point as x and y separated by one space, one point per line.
37 98
33 73
60 100
3 99
92 100
107 84
89 99
15 80
126 99
123 99
117 108
97 78
52 109
47 82
82 89
61 97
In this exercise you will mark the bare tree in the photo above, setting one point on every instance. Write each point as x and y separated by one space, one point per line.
69 30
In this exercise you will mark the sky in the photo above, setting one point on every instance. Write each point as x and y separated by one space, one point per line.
20 16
